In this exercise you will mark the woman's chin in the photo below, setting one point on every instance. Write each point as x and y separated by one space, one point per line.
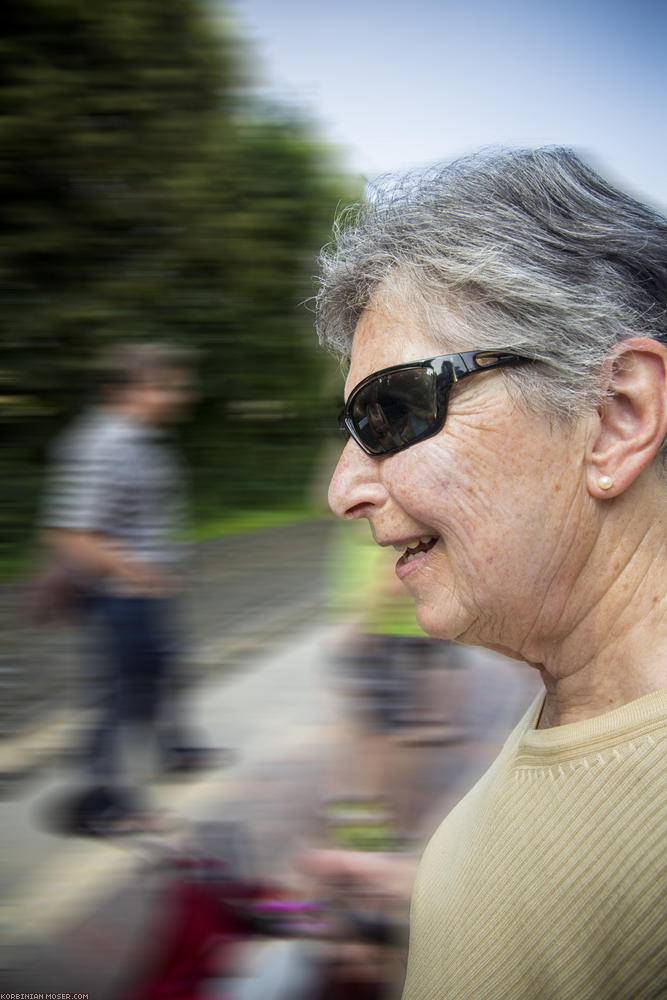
437 624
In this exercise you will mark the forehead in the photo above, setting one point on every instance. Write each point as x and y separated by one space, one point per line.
382 339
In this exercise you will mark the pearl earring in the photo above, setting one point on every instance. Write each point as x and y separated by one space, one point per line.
605 482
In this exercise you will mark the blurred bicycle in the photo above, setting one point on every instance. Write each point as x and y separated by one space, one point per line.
223 933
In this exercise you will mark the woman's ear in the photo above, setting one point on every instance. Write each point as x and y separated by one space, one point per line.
632 423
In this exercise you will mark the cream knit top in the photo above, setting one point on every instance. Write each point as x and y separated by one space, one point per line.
549 879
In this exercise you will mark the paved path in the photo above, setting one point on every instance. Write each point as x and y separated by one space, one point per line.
77 913
49 884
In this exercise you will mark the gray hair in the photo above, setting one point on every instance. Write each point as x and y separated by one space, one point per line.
529 250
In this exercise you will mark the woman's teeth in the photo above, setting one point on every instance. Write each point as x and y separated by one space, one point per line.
422 544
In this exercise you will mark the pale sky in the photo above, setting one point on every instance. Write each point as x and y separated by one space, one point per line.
401 84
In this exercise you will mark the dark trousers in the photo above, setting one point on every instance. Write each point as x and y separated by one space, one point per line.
135 651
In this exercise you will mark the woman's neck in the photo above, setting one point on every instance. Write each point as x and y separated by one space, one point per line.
607 643
615 653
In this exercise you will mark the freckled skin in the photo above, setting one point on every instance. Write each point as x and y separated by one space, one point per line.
531 558
496 484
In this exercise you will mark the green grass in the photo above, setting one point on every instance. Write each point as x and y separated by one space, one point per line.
244 522
16 566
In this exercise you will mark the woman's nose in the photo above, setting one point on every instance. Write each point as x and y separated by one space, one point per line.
355 489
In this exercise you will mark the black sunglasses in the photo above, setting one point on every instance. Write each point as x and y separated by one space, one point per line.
396 407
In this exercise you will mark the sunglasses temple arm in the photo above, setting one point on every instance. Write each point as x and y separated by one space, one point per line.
475 361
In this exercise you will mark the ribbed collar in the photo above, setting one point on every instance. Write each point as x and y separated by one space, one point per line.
644 712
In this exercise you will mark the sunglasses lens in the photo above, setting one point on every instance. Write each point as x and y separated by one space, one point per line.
395 409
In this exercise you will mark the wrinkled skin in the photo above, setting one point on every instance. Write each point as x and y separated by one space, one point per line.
502 490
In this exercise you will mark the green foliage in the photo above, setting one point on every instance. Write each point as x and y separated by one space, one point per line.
148 195
246 522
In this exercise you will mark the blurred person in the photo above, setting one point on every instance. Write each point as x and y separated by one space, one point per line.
115 506
389 676
507 314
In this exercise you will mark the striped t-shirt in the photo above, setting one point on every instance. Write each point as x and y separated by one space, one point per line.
120 478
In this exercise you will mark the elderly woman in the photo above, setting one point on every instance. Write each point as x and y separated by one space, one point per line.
506 324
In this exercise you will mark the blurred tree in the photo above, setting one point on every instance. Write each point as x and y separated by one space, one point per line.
149 195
